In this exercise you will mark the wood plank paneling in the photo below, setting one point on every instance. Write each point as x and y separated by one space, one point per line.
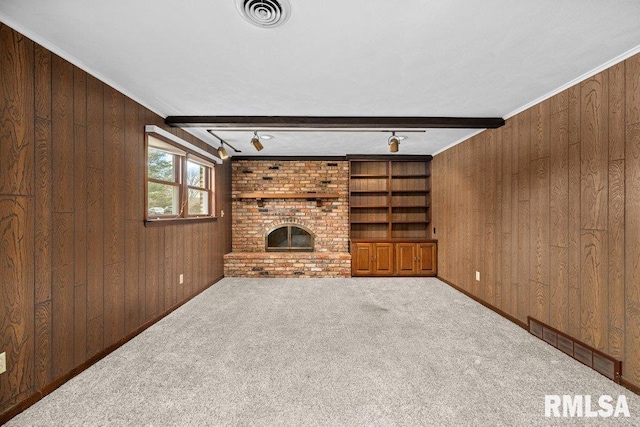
131 276
575 248
80 204
539 301
489 229
632 90
16 292
594 297
95 123
95 260
594 152
42 344
507 252
559 288
114 313
62 295
524 155
540 121
616 258
113 108
574 111
616 126
169 263
42 83
559 102
114 197
500 251
73 261
43 211
62 135
80 325
79 97
571 213
16 113
152 267
523 259
632 245
539 269
559 181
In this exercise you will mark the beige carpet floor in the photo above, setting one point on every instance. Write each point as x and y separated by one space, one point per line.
330 352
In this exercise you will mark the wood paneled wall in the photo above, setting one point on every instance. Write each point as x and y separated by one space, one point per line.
547 209
78 269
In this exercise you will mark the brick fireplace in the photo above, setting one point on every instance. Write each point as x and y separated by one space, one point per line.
327 219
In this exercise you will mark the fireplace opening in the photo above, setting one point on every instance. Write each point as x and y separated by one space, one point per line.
289 238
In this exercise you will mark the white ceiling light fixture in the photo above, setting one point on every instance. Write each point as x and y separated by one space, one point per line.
264 13
266 137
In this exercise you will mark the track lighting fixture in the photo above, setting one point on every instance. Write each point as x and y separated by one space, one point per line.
222 152
255 141
394 143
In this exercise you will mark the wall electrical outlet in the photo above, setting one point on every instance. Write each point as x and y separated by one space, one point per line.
478 276
3 362
181 279
222 214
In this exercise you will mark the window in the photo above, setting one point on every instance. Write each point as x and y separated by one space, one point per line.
179 184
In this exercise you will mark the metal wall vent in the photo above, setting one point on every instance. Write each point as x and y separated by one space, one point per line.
264 13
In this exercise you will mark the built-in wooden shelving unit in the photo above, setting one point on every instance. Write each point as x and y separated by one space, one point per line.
389 216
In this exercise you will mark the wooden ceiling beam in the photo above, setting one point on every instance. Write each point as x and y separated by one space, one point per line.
332 123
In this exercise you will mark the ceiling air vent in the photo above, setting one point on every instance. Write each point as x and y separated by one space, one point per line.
264 13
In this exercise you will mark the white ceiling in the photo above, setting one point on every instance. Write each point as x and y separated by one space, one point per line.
459 58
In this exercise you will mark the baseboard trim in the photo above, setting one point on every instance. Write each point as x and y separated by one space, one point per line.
35 397
504 314
629 385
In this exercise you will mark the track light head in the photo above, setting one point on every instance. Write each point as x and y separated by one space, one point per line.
223 153
394 143
255 141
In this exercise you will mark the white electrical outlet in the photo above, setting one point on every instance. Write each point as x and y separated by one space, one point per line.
181 279
3 362
222 214
478 276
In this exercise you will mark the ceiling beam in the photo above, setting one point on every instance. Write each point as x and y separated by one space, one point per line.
332 123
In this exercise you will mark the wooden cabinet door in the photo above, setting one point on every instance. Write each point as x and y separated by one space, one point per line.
406 259
362 259
427 259
383 259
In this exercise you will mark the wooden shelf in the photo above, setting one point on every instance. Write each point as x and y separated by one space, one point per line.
260 197
368 191
409 222
369 222
411 191
389 198
364 175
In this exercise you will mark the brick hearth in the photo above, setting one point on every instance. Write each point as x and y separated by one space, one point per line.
282 264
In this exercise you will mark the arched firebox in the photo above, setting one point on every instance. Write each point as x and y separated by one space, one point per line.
289 238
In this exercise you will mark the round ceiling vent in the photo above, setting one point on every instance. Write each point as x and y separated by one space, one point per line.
264 13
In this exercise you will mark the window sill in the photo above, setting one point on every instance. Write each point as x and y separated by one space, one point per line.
175 221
